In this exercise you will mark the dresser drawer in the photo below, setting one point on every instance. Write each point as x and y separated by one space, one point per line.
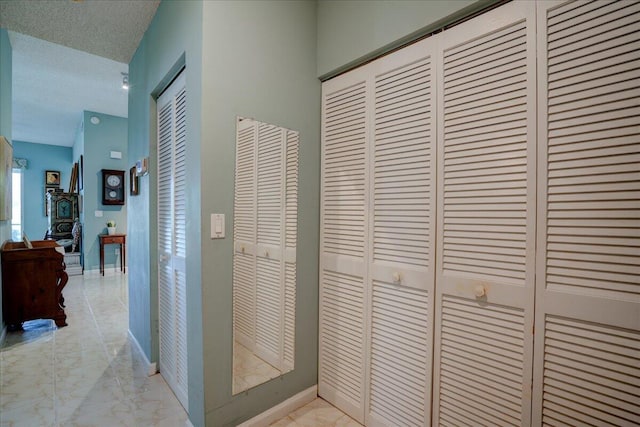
112 239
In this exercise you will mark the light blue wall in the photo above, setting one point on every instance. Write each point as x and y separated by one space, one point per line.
5 84
41 158
352 31
259 61
5 126
99 140
173 39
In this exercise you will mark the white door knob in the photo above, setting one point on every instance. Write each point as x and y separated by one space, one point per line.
396 277
479 291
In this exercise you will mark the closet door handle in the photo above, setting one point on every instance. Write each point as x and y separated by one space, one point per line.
480 291
397 277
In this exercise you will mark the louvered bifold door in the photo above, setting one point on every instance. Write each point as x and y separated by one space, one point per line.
486 220
587 355
290 242
244 235
269 248
344 220
172 145
402 230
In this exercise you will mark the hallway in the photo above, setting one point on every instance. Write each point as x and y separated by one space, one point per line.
87 373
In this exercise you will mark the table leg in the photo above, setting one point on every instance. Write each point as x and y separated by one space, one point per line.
122 263
101 259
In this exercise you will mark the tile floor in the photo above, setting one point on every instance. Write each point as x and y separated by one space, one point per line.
89 374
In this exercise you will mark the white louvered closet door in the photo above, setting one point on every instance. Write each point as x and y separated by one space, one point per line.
269 249
402 230
290 238
344 223
172 237
244 235
587 355
486 220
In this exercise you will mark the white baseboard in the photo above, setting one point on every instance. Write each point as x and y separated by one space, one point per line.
283 409
151 367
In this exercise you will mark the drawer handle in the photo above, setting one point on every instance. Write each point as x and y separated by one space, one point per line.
242 249
266 253
397 277
480 291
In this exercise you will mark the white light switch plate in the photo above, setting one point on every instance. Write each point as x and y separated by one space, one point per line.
217 226
98 214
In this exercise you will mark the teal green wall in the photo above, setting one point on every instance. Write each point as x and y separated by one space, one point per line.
5 84
99 140
259 61
173 39
40 157
5 126
351 31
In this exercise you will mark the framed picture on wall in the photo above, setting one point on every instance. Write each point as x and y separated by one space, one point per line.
52 178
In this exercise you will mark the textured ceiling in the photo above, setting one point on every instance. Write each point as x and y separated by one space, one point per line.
54 78
108 28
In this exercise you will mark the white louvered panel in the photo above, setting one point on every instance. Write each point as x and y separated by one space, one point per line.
172 146
482 364
291 192
593 163
341 337
180 285
166 309
485 157
289 315
399 346
165 160
268 308
179 175
244 214
486 220
587 359
244 298
402 178
343 160
591 374
269 184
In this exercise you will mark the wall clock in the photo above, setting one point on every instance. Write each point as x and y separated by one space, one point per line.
112 187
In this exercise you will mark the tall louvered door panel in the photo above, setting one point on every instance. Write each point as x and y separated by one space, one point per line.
172 109
244 235
587 355
290 238
344 222
402 230
486 220
269 248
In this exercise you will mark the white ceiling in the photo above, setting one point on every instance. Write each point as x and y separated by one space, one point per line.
68 56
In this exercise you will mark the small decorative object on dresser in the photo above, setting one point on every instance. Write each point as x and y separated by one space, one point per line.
111 227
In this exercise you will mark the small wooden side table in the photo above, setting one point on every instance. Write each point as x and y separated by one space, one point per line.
108 239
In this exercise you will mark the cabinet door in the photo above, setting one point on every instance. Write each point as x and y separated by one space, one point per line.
344 224
587 363
486 220
402 230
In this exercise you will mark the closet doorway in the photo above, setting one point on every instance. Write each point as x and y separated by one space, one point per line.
171 127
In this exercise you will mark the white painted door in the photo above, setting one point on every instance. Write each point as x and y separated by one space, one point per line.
377 257
172 238
587 354
402 238
486 220
343 249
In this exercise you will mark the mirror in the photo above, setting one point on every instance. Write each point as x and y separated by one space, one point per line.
264 260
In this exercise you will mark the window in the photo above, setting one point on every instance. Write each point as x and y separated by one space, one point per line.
16 205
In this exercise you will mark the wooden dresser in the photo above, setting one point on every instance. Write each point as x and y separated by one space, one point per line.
32 282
